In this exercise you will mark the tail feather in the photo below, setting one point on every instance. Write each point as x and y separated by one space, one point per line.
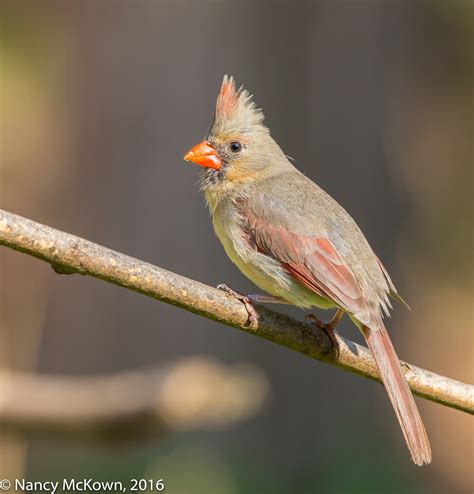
399 393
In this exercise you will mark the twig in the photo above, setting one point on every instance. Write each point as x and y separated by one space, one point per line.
69 254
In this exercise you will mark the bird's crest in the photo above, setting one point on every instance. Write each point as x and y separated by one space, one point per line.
235 110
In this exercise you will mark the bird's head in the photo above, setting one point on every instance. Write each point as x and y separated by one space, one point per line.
238 147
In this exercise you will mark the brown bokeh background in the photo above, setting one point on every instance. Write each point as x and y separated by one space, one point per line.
99 101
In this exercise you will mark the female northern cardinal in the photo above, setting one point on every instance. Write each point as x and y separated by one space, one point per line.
296 242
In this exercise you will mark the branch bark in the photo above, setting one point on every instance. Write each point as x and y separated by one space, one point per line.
69 254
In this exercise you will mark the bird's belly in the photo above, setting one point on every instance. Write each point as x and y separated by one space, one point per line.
268 273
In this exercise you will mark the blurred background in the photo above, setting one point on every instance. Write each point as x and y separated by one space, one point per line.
100 100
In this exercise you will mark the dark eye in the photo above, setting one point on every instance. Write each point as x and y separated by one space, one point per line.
235 146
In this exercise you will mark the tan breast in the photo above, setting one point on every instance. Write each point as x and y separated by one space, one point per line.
265 272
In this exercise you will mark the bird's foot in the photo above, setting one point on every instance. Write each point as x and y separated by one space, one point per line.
246 300
329 328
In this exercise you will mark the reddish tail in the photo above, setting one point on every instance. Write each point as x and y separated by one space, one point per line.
399 394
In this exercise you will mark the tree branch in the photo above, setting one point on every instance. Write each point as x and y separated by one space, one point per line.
188 394
69 254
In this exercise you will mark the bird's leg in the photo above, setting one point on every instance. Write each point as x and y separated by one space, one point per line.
328 327
266 299
246 300
249 299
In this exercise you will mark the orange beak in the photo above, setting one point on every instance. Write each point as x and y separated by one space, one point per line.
203 154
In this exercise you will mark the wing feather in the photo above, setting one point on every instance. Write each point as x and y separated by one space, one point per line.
311 260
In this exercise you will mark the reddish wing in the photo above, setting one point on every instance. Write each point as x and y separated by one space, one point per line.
312 261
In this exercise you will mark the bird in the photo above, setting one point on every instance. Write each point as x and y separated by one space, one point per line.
296 243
